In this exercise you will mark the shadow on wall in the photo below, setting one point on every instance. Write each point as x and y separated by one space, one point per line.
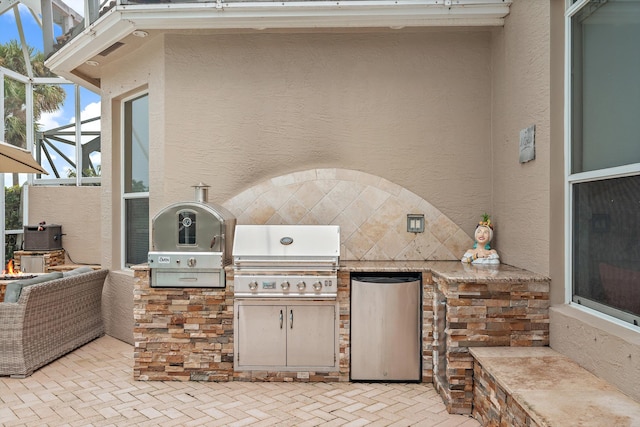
371 212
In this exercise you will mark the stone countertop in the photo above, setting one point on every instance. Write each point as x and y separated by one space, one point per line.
454 271
450 271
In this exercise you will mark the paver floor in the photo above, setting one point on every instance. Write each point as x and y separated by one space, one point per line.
94 386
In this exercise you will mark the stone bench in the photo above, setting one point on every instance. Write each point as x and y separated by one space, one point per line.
539 387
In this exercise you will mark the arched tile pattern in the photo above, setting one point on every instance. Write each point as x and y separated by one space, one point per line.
371 212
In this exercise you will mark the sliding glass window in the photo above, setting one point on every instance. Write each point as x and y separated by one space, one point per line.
604 169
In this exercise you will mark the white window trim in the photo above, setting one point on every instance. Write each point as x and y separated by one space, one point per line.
126 196
571 179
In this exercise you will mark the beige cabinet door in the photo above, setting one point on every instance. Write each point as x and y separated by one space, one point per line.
32 264
262 335
311 335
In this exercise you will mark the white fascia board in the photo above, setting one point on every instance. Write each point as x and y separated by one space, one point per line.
314 14
121 20
98 36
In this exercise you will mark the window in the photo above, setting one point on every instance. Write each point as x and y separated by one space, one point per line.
604 164
136 180
71 152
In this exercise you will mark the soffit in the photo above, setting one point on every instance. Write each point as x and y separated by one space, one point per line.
111 36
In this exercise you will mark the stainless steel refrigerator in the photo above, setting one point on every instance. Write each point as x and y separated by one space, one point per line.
386 325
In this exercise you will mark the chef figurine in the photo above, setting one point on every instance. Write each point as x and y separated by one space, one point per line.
481 253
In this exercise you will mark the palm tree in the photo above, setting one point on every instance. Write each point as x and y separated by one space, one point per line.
46 97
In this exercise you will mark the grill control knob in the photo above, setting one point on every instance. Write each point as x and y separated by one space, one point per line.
191 262
301 285
285 285
253 285
317 286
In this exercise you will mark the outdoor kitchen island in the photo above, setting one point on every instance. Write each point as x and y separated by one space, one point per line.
187 333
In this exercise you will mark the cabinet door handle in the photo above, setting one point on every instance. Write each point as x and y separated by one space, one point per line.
290 319
281 319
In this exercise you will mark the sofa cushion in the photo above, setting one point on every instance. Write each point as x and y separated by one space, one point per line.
12 293
76 271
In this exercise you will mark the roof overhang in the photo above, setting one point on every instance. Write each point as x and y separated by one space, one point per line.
122 20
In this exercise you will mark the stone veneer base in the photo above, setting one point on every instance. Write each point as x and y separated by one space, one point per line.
51 258
540 387
186 334
508 313
182 334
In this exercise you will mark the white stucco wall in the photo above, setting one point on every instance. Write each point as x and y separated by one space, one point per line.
521 64
437 112
77 211
117 306
609 350
413 108
143 72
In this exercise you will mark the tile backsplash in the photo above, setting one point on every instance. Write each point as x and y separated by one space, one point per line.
371 212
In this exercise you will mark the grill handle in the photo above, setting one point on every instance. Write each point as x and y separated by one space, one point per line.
281 261
281 319
291 319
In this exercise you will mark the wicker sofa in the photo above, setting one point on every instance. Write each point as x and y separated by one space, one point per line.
49 320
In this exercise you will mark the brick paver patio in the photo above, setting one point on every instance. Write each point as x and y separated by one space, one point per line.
94 386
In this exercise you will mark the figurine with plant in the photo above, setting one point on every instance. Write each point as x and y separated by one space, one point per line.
481 252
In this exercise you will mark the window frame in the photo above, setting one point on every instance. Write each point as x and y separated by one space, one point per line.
616 316
123 174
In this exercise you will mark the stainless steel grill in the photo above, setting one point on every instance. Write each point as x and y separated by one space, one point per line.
192 244
286 261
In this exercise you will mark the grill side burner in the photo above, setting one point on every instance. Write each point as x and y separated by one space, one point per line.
192 244
286 261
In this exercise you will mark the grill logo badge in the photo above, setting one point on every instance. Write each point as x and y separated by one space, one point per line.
286 241
164 260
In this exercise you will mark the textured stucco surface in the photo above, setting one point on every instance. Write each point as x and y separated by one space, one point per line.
77 210
608 350
117 305
556 160
520 81
132 77
412 108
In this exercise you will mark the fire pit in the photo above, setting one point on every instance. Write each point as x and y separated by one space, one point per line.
11 274
18 276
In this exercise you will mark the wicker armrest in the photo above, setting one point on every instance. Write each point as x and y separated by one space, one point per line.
49 320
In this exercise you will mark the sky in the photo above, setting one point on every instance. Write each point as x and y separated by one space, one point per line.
89 101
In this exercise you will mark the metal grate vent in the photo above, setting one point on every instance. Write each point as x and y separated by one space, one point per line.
111 49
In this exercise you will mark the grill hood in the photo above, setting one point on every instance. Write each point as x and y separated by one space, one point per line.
286 243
